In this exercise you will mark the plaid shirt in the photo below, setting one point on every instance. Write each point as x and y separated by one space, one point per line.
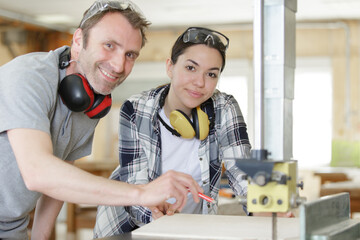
140 154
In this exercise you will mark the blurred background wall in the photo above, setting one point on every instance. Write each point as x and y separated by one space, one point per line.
327 81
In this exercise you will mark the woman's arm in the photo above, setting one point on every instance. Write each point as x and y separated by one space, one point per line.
134 161
234 143
138 155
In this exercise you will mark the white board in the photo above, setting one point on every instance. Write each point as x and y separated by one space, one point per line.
191 226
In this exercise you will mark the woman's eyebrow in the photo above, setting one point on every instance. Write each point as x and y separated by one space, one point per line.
190 60
195 63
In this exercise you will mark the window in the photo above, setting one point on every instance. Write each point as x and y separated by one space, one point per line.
312 113
236 86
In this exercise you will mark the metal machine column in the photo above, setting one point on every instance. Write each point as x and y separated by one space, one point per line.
279 66
273 181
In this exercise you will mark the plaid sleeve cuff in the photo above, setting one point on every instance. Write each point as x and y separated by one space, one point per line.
112 220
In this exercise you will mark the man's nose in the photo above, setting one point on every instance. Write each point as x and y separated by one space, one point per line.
118 63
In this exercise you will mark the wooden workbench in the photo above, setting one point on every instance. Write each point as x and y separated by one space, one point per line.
338 180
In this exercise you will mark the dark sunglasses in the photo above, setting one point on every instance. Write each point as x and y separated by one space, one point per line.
207 36
103 5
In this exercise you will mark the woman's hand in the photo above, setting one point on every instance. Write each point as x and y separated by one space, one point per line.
161 210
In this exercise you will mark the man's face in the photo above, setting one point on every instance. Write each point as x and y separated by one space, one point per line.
112 48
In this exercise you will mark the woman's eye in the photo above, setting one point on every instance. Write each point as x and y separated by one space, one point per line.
190 68
212 75
108 45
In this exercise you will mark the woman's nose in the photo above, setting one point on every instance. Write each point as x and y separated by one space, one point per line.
199 80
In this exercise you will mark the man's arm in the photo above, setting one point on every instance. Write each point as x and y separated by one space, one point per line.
45 173
46 212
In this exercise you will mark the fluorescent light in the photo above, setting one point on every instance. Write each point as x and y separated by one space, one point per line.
54 18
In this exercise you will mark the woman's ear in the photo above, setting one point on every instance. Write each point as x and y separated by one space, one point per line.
169 68
77 43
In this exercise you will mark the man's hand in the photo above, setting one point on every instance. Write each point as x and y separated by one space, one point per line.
170 185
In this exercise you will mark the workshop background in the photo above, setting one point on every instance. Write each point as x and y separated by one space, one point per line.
326 107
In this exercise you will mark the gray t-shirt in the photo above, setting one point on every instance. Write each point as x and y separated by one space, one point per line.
29 99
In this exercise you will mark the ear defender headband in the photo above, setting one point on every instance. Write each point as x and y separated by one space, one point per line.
77 94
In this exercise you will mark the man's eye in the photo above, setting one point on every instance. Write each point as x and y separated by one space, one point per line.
132 55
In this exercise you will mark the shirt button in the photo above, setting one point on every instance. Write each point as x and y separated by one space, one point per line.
200 159
204 182
208 205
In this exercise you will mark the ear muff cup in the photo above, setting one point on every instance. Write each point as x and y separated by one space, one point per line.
101 106
77 95
200 123
182 124
198 128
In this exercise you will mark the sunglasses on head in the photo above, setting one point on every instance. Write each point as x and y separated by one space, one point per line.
206 36
104 5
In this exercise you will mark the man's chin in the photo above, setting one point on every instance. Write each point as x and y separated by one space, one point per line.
108 89
104 91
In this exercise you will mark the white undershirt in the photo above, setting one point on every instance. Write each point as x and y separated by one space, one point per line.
181 155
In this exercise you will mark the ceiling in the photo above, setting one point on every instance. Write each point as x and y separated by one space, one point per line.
66 14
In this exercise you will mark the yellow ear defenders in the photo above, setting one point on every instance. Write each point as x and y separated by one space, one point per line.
181 124
198 127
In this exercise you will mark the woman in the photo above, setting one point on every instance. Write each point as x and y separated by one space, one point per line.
187 126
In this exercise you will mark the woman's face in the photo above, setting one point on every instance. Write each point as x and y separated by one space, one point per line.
193 78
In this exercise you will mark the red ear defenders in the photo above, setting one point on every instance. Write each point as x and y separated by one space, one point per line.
77 94
184 127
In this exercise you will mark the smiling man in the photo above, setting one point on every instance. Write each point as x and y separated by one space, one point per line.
50 105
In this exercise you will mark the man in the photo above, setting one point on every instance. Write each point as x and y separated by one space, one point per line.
50 105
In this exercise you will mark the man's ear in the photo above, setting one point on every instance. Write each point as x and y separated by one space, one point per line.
169 68
77 43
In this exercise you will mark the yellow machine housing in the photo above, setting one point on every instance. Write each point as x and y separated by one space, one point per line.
274 196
